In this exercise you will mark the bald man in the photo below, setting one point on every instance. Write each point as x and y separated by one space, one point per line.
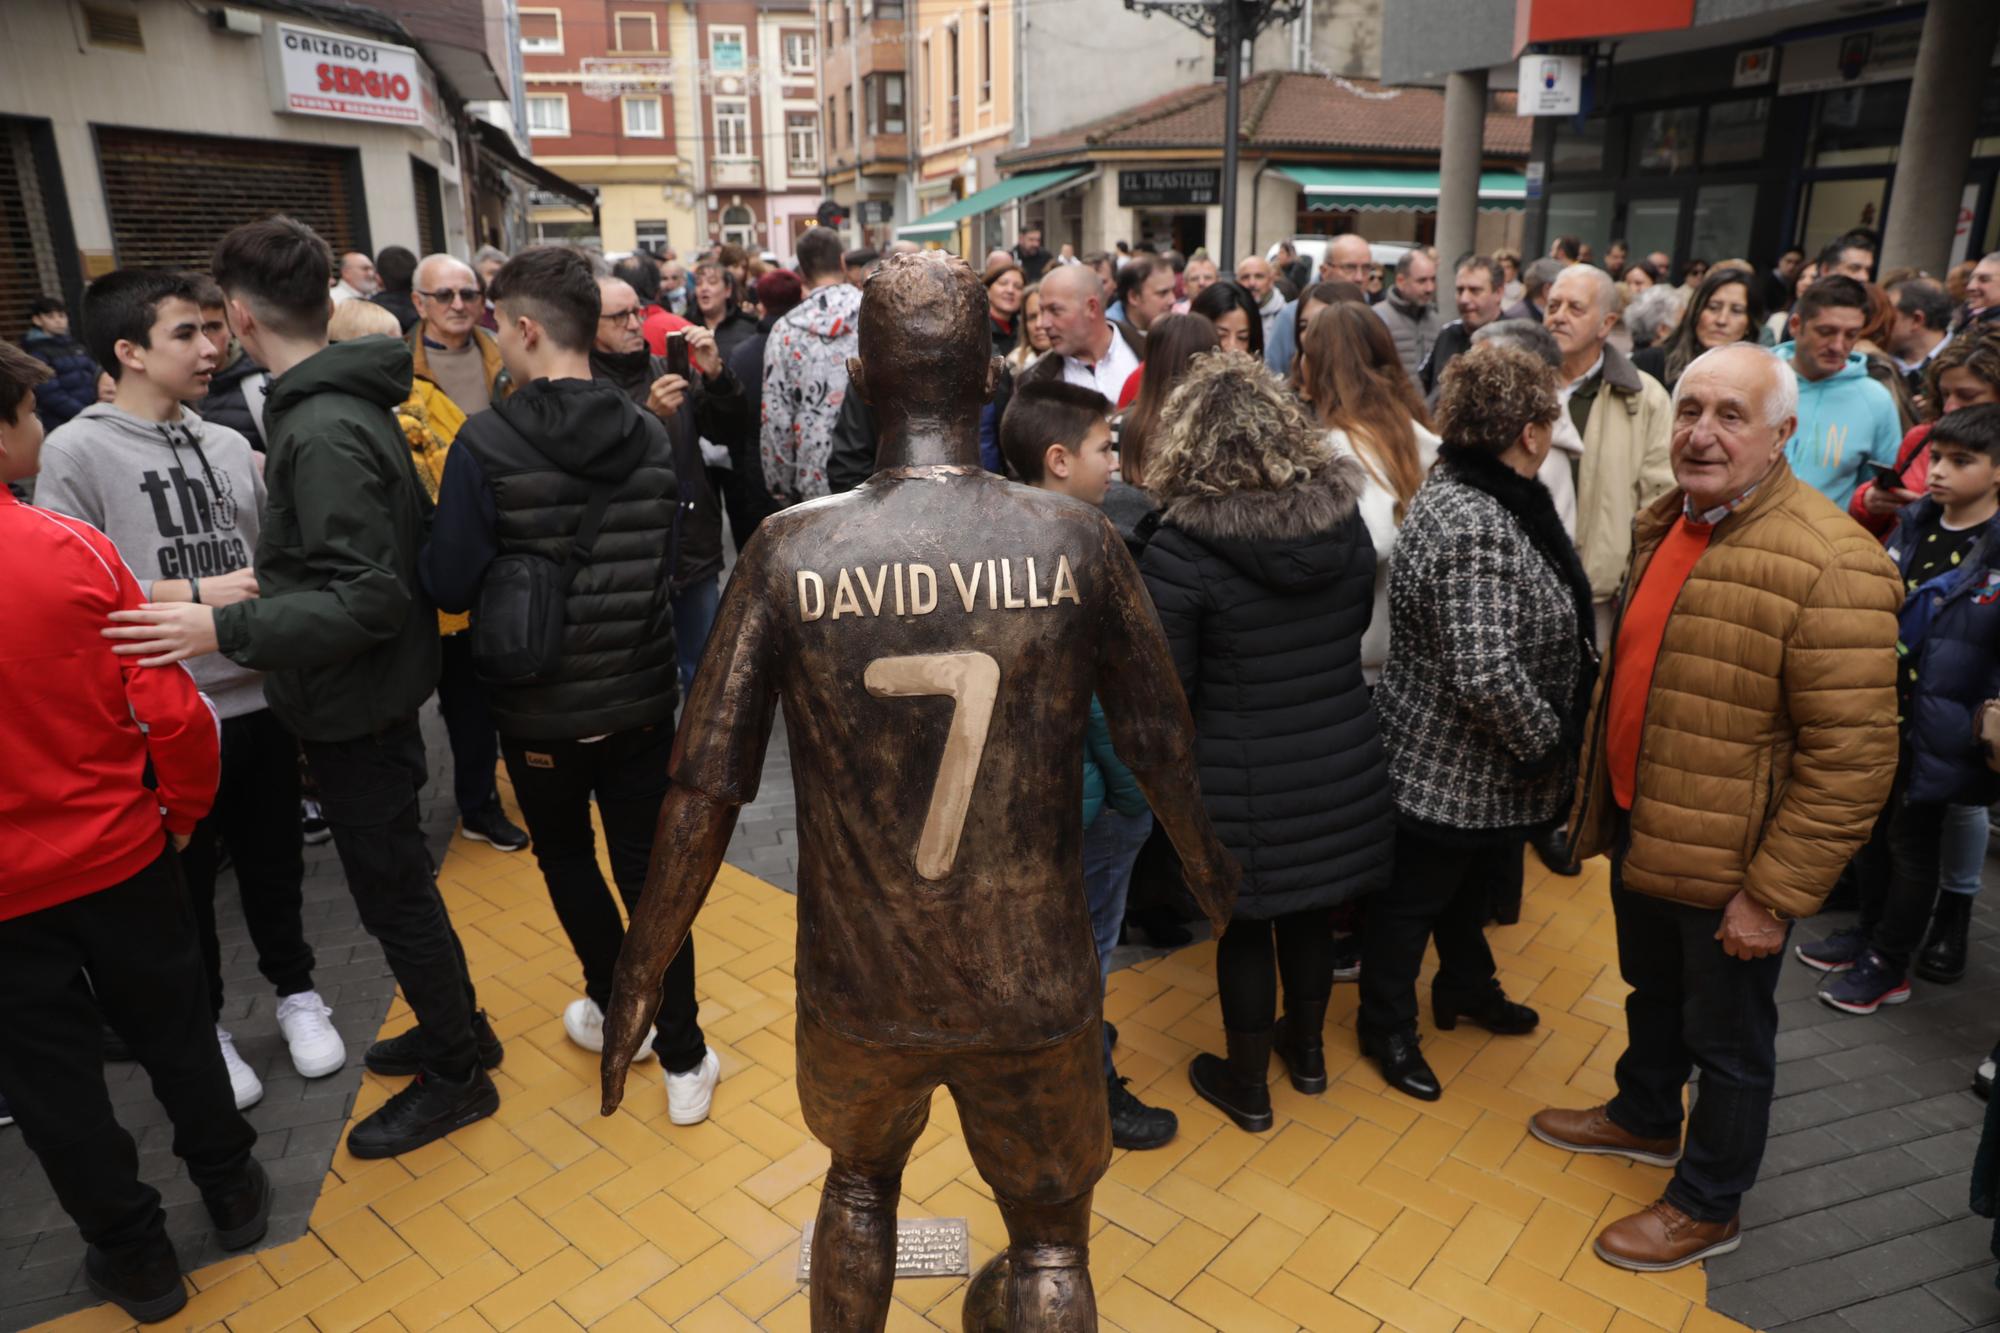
1256 277
1348 258
357 278
1086 348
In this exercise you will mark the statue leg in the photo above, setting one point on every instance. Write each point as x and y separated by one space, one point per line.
1038 1128
868 1105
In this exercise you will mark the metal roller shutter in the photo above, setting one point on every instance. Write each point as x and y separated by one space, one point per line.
429 193
27 258
173 196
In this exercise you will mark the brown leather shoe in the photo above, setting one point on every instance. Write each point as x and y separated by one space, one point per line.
1662 1237
1592 1130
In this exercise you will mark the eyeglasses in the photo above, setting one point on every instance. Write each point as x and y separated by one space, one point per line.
633 316
446 296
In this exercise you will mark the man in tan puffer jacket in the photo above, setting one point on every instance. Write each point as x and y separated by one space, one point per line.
1741 744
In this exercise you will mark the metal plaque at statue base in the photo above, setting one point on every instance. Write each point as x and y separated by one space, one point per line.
925 1247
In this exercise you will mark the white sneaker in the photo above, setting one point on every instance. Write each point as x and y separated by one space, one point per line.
242 1081
689 1094
584 1022
315 1043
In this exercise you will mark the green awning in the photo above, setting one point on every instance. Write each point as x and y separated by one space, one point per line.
945 221
1378 189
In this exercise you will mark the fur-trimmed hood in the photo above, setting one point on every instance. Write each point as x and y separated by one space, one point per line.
1280 538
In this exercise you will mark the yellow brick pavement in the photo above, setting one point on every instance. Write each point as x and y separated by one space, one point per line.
1360 1210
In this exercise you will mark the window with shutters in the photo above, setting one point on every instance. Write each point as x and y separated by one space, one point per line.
429 195
924 82
642 117
28 211
985 55
541 32
548 115
149 177
638 32
951 82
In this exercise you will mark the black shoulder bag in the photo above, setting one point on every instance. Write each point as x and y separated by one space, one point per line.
517 625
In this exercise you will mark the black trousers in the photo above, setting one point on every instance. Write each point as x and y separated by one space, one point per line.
256 818
137 940
1442 891
1693 1006
475 746
555 781
1897 873
1253 956
368 791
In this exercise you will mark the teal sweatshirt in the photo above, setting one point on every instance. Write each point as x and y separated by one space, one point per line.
1846 421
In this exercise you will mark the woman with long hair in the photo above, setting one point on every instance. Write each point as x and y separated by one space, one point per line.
1727 308
1171 346
1005 288
1489 677
1234 315
1354 384
1262 575
1034 340
718 301
1779 321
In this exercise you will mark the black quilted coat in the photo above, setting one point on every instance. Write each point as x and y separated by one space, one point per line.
1264 596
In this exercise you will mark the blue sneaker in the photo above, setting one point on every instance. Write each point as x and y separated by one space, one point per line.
1866 986
1836 953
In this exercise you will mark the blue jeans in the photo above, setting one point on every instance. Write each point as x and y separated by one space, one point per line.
694 615
1962 849
1110 847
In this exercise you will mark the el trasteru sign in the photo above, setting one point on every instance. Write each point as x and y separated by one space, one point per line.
1146 189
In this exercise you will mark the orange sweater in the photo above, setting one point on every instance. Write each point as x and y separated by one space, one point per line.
1638 647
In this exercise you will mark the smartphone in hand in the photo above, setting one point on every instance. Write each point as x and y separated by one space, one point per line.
677 354
1886 477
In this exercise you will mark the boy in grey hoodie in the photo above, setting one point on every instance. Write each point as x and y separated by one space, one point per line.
182 499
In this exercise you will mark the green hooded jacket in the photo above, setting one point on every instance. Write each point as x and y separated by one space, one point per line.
341 624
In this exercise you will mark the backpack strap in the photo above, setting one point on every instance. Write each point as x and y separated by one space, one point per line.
586 535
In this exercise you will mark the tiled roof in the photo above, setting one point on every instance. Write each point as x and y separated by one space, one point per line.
1308 112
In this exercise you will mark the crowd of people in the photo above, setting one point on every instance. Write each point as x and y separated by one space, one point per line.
1696 575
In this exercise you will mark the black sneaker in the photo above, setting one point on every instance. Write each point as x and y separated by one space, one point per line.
403 1054
1836 953
241 1210
148 1286
312 823
1866 986
431 1107
1137 1125
1347 957
489 824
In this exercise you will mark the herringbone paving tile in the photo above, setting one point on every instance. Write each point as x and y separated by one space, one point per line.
1360 1210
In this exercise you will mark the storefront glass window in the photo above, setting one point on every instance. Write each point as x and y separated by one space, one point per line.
1578 152
1736 132
1652 224
1834 208
1663 141
1584 213
1722 216
1857 124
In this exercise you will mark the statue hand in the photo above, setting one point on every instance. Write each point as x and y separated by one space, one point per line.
627 1021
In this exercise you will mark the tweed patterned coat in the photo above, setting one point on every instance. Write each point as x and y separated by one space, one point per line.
1490 657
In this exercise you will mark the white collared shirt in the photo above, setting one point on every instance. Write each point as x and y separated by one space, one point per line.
1108 374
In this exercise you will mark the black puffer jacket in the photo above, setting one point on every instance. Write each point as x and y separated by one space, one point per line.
1264 596
228 404
538 454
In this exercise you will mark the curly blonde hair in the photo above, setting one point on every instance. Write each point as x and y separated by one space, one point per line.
1491 393
1232 426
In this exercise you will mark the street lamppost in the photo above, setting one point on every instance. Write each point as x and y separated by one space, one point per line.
1231 23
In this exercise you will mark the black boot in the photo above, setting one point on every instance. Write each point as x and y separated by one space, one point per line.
1300 1043
1552 845
431 1107
241 1210
146 1285
1402 1063
403 1054
1136 1125
1236 1086
1943 956
1489 1008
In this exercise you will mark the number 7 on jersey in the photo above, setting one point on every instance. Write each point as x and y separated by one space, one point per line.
973 682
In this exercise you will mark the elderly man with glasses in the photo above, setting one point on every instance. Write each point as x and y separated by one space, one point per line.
448 349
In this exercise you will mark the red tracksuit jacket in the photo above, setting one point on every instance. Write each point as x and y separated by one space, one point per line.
78 723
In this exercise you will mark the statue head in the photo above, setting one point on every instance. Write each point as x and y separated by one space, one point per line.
926 342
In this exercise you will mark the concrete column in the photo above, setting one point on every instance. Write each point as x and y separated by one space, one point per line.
1463 153
1952 57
